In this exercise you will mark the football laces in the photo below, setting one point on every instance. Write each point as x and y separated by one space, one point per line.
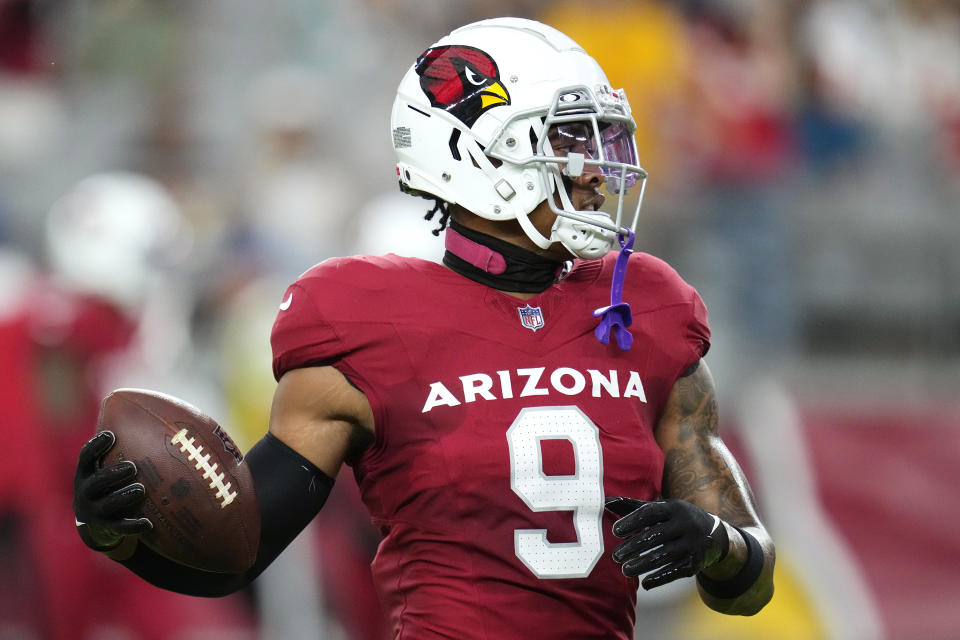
195 454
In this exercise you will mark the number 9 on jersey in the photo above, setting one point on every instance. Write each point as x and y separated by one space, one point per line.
581 493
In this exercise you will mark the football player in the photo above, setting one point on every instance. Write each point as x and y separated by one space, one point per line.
111 243
531 423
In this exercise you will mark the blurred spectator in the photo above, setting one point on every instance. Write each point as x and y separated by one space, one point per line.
293 202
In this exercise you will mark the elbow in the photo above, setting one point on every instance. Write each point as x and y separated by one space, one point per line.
764 597
753 605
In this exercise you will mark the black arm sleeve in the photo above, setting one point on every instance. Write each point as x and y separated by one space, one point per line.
290 491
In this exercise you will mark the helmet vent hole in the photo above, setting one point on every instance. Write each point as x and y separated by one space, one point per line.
413 108
454 139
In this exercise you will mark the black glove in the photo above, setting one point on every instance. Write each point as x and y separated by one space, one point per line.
672 538
104 498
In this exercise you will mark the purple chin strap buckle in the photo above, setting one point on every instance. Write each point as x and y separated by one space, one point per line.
617 317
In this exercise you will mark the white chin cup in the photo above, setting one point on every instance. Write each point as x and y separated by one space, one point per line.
585 241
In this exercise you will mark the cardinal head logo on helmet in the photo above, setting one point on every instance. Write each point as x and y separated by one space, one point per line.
462 80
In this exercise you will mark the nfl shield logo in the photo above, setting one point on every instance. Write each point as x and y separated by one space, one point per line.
531 317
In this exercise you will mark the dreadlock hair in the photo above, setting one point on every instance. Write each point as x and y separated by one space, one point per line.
440 206
443 208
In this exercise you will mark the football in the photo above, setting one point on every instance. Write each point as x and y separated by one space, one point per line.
199 493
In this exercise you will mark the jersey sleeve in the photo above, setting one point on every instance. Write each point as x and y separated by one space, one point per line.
697 330
301 336
657 288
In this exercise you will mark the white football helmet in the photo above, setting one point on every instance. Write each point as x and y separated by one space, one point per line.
471 120
112 234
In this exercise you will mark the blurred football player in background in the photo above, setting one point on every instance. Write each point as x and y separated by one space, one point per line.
531 423
98 314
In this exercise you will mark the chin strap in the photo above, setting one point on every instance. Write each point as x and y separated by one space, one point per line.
616 317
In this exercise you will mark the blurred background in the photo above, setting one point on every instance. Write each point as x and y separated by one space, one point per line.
168 166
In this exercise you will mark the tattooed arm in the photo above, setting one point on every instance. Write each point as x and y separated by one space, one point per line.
700 469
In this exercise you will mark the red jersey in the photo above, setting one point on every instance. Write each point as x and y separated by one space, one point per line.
501 424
